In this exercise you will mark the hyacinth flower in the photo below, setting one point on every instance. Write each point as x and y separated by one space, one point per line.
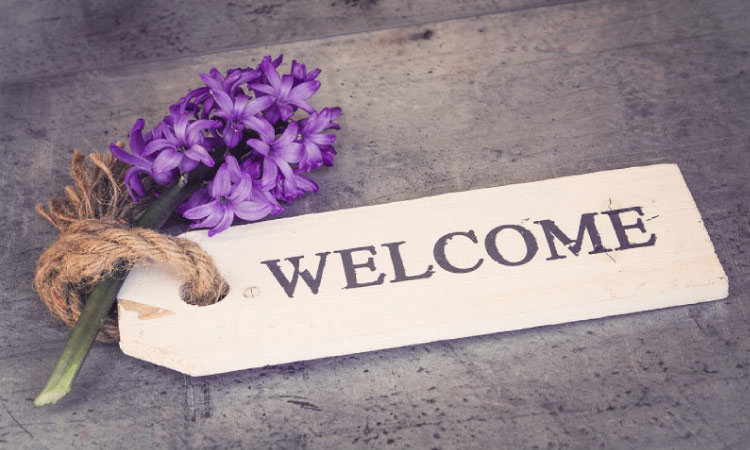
300 74
199 102
294 186
184 147
140 163
235 112
287 97
278 153
317 146
228 149
253 166
231 84
228 200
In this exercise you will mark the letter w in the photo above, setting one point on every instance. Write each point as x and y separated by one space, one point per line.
290 285
587 225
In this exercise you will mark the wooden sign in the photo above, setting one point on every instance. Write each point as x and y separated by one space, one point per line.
435 268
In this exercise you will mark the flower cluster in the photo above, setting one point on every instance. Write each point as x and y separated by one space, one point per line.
255 125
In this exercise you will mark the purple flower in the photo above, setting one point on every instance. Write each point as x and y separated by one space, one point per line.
236 112
199 102
140 163
299 72
254 175
278 153
182 147
287 97
228 199
231 83
317 146
274 62
294 186
253 166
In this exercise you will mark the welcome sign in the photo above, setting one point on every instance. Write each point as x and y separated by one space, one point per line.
443 267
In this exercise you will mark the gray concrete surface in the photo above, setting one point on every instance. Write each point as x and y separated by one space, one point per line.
495 93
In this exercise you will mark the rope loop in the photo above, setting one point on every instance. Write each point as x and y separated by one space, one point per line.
96 239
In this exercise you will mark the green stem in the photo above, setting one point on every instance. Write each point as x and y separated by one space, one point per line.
103 296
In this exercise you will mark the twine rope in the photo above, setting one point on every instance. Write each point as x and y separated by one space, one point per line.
96 239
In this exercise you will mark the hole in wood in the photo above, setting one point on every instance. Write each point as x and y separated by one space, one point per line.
210 298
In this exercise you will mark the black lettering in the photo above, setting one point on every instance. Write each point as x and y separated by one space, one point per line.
587 225
290 285
621 230
398 265
439 252
350 268
490 243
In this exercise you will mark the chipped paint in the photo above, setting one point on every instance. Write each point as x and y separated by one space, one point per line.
145 312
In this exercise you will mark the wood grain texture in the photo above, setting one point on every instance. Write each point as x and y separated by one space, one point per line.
519 96
465 264
50 37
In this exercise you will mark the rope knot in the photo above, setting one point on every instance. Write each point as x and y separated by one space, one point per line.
96 239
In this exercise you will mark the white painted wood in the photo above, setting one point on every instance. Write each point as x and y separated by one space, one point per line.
258 324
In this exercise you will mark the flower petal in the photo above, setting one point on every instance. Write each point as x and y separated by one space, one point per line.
188 165
168 159
128 158
195 129
288 136
231 135
306 184
311 156
298 70
241 190
223 100
270 171
134 184
283 166
221 184
272 114
136 137
262 127
211 81
235 173
271 75
180 126
321 139
258 105
155 146
313 124
334 113
205 210
328 153
252 210
164 178
259 146
263 88
303 105
198 153
287 81
239 104
305 90
291 152
208 222
312 75
224 223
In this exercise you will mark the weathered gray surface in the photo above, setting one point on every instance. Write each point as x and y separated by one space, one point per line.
50 37
518 95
